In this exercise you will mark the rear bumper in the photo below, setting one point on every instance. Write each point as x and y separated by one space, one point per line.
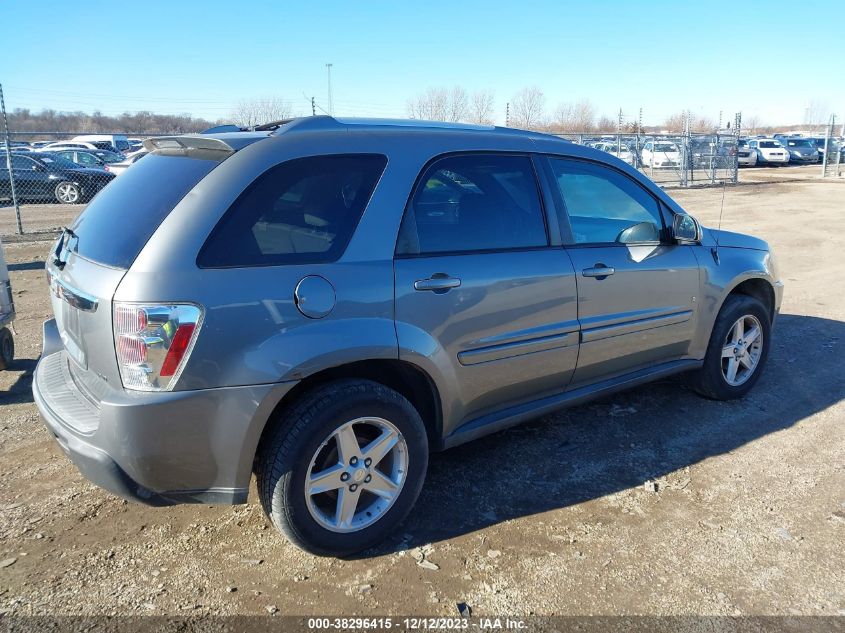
155 448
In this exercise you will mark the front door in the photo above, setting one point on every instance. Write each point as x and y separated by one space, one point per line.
482 300
637 293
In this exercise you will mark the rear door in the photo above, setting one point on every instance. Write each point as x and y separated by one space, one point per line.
479 290
636 291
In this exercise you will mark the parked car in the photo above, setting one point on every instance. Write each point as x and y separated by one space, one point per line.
93 158
660 154
115 142
136 144
241 301
769 151
620 150
39 144
801 150
130 159
59 145
745 155
43 176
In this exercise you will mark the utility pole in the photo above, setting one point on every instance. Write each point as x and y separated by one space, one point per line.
329 71
313 107
507 114
9 163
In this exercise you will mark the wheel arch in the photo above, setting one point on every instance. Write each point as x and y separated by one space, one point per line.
406 378
758 288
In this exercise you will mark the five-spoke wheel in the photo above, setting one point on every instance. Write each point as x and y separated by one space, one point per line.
343 466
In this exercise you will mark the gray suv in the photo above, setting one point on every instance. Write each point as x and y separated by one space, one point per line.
324 303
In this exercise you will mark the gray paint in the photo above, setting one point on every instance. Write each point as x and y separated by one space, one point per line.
524 332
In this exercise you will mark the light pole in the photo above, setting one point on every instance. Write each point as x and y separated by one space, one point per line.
329 71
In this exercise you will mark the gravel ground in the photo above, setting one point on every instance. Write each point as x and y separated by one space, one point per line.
653 501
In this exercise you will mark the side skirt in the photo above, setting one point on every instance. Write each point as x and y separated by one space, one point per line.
506 418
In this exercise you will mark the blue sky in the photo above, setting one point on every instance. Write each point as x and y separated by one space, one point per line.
768 59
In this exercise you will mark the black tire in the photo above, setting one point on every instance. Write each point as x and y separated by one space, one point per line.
286 453
68 193
7 348
710 381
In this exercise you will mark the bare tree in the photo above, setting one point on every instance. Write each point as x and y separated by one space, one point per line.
816 113
606 124
481 108
751 124
440 104
527 108
250 112
675 122
574 117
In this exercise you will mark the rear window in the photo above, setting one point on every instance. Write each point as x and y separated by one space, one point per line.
123 216
299 212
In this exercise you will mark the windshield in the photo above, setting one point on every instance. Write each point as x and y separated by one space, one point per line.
123 216
770 144
122 145
54 161
799 143
665 147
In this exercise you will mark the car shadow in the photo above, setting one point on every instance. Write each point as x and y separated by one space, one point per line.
622 441
21 390
33 265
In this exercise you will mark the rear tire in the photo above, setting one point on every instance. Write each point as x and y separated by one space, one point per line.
725 355
68 193
311 444
7 348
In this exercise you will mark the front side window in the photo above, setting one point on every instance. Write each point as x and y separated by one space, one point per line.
474 202
299 212
604 206
21 163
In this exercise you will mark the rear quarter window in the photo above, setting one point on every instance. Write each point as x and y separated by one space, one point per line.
299 212
123 216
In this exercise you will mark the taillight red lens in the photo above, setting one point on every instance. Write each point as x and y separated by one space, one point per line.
131 349
153 342
180 343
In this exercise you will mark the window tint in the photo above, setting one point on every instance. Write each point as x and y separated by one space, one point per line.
605 206
121 218
302 211
86 158
474 203
19 162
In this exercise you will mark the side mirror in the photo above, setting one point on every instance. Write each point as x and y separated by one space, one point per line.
686 228
37 168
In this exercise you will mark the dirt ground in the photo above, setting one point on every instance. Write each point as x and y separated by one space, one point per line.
554 517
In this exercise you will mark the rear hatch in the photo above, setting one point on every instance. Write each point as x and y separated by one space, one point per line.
93 254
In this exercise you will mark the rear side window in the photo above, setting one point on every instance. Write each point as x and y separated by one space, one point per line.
303 211
123 216
474 202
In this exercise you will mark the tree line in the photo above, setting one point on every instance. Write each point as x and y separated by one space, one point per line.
527 109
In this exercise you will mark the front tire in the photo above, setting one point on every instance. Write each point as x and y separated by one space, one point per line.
737 351
343 467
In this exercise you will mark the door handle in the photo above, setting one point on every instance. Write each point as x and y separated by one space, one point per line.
438 283
599 271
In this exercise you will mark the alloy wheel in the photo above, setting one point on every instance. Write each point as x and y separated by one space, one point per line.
356 474
742 350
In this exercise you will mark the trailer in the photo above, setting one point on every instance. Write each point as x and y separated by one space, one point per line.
7 314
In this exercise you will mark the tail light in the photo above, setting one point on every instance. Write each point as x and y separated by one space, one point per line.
153 343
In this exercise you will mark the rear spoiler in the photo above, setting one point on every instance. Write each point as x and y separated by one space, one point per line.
189 144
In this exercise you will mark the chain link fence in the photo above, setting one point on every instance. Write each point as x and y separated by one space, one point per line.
684 160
